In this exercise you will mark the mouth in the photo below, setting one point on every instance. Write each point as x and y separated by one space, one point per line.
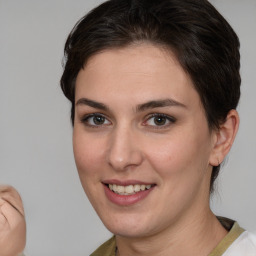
125 193
129 189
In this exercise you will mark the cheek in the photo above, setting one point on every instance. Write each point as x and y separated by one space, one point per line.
181 164
88 154
89 162
179 155
167 155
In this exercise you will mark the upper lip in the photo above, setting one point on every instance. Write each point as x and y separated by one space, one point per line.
126 182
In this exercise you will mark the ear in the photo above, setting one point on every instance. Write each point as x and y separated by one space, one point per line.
224 138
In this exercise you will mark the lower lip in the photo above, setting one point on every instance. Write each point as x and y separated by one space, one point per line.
125 200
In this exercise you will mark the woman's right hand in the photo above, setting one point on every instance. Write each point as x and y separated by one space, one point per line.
12 222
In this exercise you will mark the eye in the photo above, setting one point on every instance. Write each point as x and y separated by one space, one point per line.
95 120
159 120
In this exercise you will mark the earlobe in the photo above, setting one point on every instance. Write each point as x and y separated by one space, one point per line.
224 138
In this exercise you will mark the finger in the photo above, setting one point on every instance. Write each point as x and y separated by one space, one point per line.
10 195
13 217
3 221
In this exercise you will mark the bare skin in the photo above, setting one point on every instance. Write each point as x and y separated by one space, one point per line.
139 120
12 222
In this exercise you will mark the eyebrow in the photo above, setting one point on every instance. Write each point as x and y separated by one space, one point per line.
92 103
141 107
159 104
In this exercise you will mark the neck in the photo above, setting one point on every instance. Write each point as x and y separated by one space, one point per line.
199 235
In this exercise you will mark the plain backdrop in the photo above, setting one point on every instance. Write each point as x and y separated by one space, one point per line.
36 135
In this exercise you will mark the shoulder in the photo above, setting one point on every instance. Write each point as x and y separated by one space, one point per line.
237 242
106 249
245 244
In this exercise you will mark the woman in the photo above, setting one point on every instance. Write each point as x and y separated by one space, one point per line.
154 86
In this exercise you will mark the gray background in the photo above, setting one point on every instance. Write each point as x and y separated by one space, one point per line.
36 136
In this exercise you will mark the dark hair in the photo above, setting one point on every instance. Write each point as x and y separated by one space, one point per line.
202 40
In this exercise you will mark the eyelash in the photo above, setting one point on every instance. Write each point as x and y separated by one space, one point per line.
85 120
168 118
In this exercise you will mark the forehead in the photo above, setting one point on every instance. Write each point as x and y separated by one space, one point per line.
137 72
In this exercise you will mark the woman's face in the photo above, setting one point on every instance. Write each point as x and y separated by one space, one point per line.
140 130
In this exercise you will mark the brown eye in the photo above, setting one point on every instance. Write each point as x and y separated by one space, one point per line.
95 120
99 120
160 120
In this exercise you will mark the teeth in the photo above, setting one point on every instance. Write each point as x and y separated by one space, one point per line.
120 189
128 190
142 187
136 188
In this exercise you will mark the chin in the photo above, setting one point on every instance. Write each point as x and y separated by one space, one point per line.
125 226
129 232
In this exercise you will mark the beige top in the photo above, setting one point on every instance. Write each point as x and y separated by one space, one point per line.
109 247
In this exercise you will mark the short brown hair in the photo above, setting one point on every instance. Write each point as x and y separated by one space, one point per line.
202 40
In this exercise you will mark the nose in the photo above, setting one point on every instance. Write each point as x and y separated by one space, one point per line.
124 150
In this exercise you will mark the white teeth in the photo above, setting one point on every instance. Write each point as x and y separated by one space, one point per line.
120 189
142 187
137 188
128 190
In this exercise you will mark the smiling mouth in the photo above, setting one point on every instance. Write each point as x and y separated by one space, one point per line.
128 190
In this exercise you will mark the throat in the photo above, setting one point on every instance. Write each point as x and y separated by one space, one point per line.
201 240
